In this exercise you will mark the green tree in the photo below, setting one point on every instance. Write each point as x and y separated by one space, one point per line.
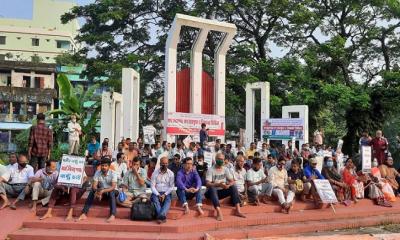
83 103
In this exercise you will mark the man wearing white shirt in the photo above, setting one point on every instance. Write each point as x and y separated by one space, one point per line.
120 167
12 159
162 184
74 131
18 186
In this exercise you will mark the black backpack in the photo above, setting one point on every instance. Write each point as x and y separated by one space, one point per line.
142 210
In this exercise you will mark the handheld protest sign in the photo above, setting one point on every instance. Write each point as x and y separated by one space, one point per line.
325 191
208 158
71 171
366 158
320 162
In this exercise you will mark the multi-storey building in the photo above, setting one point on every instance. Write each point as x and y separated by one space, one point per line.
41 38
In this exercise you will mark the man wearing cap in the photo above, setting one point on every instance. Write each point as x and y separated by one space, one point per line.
311 172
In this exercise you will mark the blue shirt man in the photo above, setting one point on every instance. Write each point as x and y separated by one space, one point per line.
188 184
93 146
203 134
312 171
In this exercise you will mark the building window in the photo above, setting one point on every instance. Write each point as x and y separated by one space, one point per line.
2 40
26 81
63 44
2 57
35 42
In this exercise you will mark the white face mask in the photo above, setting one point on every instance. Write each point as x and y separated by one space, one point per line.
374 163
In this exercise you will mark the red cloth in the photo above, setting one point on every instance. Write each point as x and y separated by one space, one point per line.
40 140
379 146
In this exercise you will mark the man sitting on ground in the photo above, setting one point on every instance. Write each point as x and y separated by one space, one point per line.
298 182
12 159
239 176
175 165
4 177
104 184
133 183
188 185
18 186
220 185
278 178
43 183
62 192
257 183
162 184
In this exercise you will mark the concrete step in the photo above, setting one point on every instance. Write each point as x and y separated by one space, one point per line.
187 224
159 232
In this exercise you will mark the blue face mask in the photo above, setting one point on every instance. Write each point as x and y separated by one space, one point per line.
329 164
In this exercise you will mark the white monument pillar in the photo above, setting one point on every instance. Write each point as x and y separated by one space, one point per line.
111 122
250 104
302 112
204 26
130 95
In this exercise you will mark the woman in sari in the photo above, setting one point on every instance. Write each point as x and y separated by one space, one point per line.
390 174
379 188
353 181
335 179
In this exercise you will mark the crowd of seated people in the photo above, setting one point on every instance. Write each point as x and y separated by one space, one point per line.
160 171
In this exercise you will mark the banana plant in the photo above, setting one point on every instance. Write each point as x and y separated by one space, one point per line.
84 104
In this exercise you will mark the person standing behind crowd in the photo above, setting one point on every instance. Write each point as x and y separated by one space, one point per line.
379 146
365 139
74 131
319 136
203 135
162 184
40 142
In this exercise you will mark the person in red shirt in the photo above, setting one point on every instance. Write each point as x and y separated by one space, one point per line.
379 146
39 143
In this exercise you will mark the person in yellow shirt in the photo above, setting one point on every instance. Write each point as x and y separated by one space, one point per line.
250 152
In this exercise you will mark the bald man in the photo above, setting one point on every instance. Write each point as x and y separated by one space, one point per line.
162 184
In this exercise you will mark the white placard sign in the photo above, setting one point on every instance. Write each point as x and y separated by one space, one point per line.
366 158
339 162
233 143
71 171
325 191
259 145
208 158
148 134
187 141
320 162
